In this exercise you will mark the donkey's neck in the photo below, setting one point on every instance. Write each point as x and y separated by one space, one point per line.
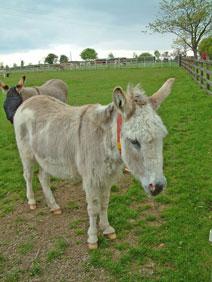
106 117
28 92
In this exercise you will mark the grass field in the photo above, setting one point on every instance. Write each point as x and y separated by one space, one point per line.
158 239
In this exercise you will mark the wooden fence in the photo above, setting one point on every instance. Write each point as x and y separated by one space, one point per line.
200 70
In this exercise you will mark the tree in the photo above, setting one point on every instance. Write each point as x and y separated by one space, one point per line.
146 56
165 56
206 46
135 56
157 55
51 58
22 63
190 20
63 59
175 54
180 44
110 56
88 54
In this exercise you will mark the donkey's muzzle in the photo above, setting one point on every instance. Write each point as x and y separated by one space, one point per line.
156 189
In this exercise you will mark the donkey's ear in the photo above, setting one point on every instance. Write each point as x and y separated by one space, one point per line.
158 97
119 99
21 83
4 87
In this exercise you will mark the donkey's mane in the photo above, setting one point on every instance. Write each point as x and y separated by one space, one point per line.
103 114
136 94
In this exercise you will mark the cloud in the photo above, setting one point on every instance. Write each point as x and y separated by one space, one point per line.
27 25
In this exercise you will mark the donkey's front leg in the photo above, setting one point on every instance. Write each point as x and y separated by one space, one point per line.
108 230
92 197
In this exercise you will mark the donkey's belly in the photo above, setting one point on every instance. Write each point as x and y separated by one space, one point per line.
57 169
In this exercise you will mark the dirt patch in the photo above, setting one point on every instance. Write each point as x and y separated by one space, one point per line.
39 230
28 238
148 268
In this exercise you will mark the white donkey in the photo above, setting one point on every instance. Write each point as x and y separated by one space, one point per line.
81 141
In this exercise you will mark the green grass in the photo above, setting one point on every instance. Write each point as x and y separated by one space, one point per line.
164 242
13 276
25 247
72 206
58 250
36 270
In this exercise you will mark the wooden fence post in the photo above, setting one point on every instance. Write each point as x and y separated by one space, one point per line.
201 73
180 60
197 69
193 67
208 75
189 65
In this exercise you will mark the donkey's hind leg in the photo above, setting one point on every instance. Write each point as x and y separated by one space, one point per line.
28 166
45 183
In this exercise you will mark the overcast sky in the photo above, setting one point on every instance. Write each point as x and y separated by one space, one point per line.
31 29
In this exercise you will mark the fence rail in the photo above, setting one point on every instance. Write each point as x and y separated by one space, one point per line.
121 63
200 70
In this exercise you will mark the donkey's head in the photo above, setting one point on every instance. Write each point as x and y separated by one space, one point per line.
142 134
14 98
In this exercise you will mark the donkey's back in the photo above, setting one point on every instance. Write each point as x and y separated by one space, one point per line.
54 88
16 95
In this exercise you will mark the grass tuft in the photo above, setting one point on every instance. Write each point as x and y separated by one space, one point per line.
177 248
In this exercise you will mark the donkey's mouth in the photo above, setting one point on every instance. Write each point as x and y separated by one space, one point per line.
155 189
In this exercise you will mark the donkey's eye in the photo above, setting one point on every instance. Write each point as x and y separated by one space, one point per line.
135 143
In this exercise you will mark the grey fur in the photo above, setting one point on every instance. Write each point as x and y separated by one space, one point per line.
68 142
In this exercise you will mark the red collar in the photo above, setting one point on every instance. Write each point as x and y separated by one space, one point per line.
119 124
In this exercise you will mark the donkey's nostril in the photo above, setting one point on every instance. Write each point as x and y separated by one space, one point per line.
155 189
152 188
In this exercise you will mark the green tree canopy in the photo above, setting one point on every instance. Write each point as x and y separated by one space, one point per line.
135 55
157 54
110 56
147 56
51 58
206 46
63 59
189 20
88 54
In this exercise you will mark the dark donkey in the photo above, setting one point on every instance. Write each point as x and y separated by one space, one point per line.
17 94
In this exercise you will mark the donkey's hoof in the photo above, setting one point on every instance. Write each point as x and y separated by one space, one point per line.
111 236
93 246
57 212
32 207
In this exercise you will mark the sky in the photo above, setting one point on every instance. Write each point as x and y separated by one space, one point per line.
31 29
